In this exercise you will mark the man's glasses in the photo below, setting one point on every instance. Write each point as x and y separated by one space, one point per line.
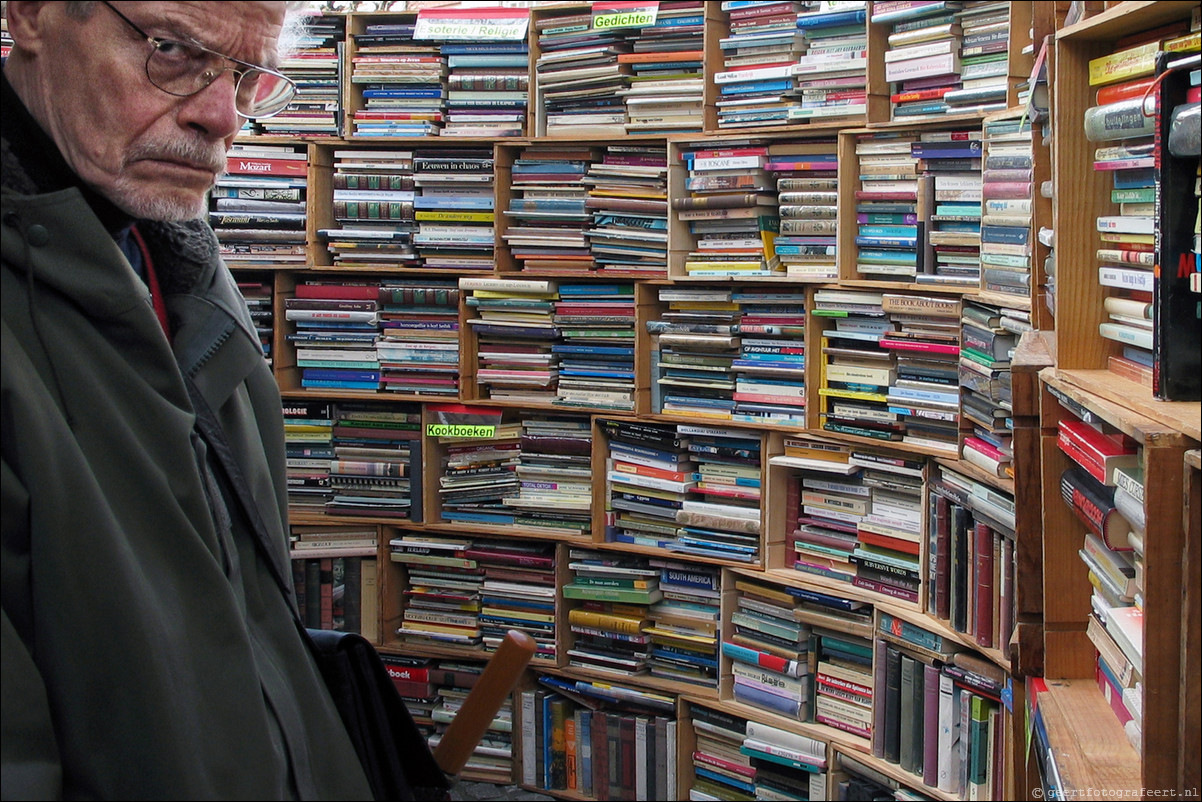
184 69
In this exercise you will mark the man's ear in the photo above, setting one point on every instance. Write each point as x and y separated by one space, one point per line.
28 22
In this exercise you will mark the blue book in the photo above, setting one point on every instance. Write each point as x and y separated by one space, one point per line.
759 697
747 87
724 779
448 48
489 60
1133 179
342 375
831 18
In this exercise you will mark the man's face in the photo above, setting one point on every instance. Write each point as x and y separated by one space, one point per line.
152 154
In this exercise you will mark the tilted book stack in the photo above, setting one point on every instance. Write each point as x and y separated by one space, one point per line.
376 471
546 222
578 77
832 73
770 369
1007 200
400 81
769 651
985 388
984 58
628 199
756 87
893 207
316 67
923 59
257 209
487 88
665 90
374 202
596 349
418 345
953 160
515 330
806 184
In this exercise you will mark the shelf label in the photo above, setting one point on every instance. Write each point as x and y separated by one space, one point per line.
460 420
629 14
472 24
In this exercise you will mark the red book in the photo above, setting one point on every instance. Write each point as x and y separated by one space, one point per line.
710 760
943 544
250 165
1099 453
1124 91
365 292
920 94
599 735
884 541
983 585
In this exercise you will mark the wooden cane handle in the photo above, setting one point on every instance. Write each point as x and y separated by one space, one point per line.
482 703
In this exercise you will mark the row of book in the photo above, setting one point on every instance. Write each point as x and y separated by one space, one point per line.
569 344
643 616
534 472
587 210
400 336
471 591
353 458
690 489
257 208
599 740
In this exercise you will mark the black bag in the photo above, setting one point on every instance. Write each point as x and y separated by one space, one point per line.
395 756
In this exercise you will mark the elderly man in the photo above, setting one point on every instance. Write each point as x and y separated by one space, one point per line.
150 649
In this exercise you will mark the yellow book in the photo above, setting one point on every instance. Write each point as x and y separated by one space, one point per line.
1124 65
454 216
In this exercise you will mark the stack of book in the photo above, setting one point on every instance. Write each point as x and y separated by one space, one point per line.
953 160
720 515
487 88
684 623
648 476
374 208
923 59
984 58
891 529
1127 249
823 505
806 183
924 334
595 316
832 74
418 345
515 330
554 471
614 592
477 475
414 680
628 198
336 328
308 451
400 82
443 586
985 389
455 217
578 77
547 215
770 369
258 207
892 209
1007 197
856 371
258 296
844 685
788 765
768 651
734 222
316 67
756 86
664 95
694 347
720 769
376 471
518 592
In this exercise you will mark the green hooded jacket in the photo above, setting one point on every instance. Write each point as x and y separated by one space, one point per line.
148 652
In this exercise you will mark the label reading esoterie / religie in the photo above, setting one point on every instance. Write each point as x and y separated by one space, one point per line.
472 24
628 14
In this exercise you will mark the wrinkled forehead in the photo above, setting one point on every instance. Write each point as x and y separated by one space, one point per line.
247 31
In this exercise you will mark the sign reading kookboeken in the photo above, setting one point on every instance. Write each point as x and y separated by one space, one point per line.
472 24
624 14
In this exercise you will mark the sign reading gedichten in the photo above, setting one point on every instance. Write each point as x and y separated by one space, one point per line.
624 14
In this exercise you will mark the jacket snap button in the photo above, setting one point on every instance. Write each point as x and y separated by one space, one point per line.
37 235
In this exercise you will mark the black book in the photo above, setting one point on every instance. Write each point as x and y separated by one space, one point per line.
892 722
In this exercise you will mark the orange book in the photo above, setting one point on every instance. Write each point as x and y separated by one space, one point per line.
641 58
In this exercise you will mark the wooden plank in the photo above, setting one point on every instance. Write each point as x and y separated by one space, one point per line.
1189 726
1181 416
1088 744
1121 19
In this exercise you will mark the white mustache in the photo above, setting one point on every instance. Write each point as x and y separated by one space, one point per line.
195 154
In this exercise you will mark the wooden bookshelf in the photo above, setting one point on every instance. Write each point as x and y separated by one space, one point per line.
1051 591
